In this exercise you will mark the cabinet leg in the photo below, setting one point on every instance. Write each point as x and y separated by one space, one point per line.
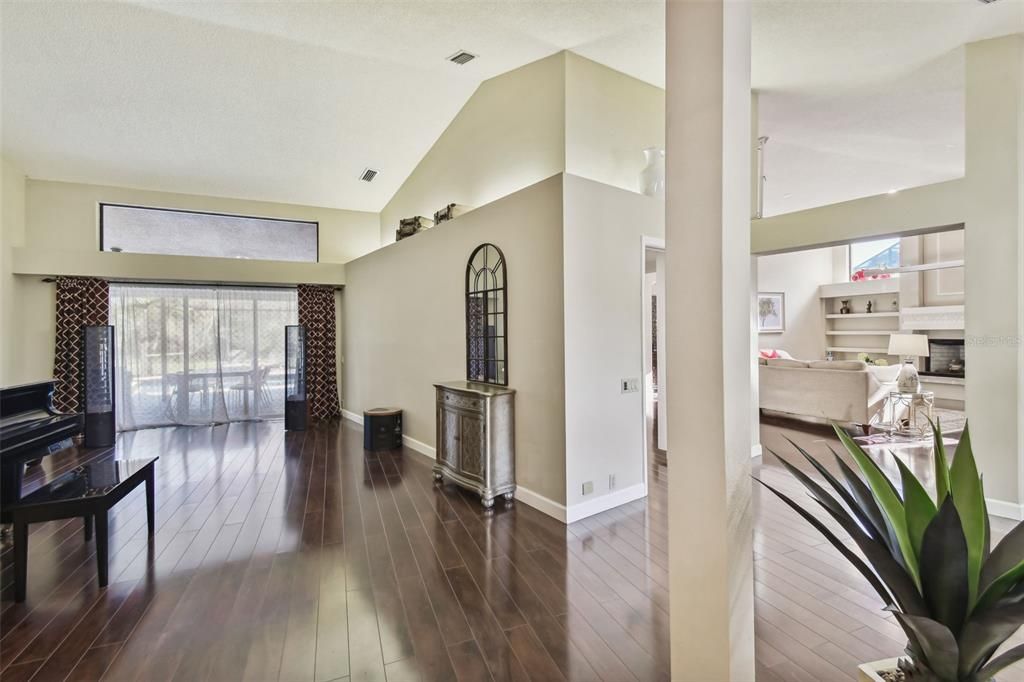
87 524
509 496
438 476
487 502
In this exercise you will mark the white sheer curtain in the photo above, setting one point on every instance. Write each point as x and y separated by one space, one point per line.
199 355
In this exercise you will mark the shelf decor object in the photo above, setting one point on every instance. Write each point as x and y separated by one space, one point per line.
909 346
295 377
98 385
652 177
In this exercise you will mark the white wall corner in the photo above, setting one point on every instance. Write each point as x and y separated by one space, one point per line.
420 447
1005 510
352 416
540 503
605 502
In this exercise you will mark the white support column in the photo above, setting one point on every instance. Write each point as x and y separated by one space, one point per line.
994 272
707 235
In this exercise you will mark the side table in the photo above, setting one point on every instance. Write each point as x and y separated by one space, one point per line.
88 492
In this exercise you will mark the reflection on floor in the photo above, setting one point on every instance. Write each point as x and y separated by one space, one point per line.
294 556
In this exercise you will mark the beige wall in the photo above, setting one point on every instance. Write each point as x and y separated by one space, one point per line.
994 320
61 236
604 265
404 325
12 230
563 113
798 275
509 135
609 119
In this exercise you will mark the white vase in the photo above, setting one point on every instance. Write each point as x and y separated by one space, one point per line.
652 177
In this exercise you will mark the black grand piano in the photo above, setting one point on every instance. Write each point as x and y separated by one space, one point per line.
29 429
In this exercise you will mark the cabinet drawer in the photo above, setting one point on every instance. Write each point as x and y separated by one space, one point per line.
464 402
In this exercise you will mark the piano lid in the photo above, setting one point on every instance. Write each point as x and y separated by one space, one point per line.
37 395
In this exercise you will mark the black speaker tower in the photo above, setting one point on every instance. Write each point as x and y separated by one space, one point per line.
98 386
295 378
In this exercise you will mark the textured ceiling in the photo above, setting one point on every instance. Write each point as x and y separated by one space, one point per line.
289 101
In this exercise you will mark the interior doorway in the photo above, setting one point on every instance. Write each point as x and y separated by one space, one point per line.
654 385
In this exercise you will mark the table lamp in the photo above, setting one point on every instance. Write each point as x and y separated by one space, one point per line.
910 346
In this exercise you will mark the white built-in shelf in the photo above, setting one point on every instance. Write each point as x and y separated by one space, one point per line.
948 381
860 332
867 287
849 349
859 316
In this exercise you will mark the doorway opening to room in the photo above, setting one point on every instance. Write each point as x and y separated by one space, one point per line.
197 355
868 334
653 383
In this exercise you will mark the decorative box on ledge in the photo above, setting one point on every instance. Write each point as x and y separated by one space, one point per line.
408 227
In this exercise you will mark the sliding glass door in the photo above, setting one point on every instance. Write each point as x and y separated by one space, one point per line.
199 355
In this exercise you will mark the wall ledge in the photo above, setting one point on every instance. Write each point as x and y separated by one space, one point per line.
150 267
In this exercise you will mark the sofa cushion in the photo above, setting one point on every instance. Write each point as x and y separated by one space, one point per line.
786 362
850 365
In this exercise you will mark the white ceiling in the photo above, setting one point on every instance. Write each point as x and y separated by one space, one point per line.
288 101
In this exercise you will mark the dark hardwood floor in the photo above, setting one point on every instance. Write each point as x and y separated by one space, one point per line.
298 557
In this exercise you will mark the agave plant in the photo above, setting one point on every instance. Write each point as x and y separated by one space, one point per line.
929 559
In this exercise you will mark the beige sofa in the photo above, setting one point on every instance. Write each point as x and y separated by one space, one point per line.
840 391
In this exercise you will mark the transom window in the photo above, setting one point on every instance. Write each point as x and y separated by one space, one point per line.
871 259
486 328
172 232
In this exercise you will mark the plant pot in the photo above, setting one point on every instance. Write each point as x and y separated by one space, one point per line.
871 672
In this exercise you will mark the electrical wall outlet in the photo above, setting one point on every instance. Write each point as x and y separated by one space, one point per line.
588 487
611 481
630 385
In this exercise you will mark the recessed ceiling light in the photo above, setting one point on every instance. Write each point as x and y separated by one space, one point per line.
892 191
462 57
368 174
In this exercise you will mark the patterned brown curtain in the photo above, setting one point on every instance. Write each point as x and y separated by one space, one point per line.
316 314
81 301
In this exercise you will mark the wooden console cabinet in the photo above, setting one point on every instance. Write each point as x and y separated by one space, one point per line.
476 438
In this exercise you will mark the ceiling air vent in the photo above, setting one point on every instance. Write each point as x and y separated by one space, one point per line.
368 175
462 57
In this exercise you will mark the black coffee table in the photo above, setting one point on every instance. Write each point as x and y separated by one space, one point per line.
89 492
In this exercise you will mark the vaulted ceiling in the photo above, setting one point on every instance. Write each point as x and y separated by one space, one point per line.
289 101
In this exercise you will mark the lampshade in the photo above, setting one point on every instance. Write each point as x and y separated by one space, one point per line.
908 344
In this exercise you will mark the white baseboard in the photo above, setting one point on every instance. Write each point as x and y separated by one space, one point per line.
1005 510
524 495
420 447
756 451
541 503
605 502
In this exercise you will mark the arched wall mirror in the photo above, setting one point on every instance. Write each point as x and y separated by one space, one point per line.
486 316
